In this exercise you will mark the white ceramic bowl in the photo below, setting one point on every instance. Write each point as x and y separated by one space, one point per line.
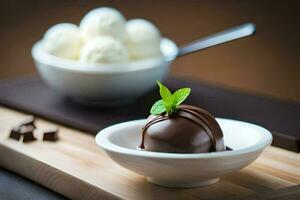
184 170
106 83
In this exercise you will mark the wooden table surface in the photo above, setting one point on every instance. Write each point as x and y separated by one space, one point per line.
76 168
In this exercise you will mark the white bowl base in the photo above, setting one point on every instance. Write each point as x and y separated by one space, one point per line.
172 184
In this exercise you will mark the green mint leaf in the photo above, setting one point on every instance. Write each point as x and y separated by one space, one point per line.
172 110
168 108
165 93
169 102
158 107
180 95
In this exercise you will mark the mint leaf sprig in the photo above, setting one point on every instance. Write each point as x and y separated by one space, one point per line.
169 102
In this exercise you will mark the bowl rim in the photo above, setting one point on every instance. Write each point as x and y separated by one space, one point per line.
102 140
41 56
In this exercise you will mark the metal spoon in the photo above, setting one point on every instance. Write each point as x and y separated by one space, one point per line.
218 38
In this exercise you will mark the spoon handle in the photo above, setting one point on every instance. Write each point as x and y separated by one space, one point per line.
218 38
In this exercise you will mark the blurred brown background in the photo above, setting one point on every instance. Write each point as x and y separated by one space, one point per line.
266 64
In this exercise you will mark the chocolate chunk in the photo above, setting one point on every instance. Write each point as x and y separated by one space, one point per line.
28 121
51 135
14 133
24 130
228 148
27 133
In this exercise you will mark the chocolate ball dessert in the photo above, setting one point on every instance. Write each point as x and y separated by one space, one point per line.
175 128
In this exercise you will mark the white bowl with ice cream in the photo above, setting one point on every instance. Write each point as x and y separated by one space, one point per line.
109 60
105 59
183 170
103 83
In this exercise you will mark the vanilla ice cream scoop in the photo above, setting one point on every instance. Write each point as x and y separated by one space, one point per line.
104 49
142 39
103 22
63 40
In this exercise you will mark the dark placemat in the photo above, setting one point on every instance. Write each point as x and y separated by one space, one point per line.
14 187
33 96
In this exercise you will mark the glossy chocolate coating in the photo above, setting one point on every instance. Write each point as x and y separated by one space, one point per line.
189 130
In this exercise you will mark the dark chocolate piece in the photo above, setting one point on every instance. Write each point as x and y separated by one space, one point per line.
14 133
27 133
189 130
51 135
228 148
28 121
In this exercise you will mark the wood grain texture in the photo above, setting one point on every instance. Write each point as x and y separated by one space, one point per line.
75 167
290 193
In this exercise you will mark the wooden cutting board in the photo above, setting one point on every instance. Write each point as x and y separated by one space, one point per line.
75 167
